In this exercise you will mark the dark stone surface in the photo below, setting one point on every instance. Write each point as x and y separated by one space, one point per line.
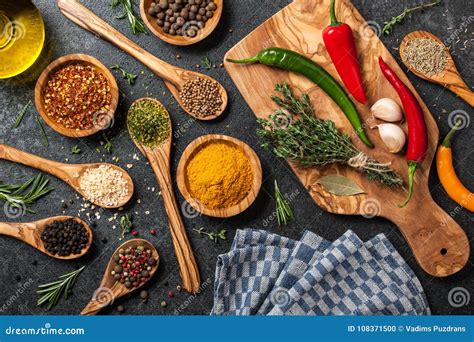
17 296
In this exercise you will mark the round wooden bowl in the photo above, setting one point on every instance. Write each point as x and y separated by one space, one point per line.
150 22
190 152
106 118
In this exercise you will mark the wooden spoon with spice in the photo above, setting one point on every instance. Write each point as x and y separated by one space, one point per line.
75 175
30 233
149 126
439 68
110 288
192 90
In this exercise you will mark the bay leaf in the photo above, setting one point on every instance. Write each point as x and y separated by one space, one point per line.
340 185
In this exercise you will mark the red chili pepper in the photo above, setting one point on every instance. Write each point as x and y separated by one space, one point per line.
417 131
341 47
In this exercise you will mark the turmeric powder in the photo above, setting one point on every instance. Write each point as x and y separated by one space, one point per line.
219 175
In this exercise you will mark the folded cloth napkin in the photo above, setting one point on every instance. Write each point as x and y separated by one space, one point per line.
266 274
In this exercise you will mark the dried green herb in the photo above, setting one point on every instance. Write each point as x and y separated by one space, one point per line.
128 76
52 292
207 63
126 224
42 131
21 115
21 196
340 185
283 209
148 123
214 236
136 24
75 150
388 25
295 133
107 144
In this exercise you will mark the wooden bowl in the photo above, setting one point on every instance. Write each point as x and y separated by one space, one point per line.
106 118
196 146
150 22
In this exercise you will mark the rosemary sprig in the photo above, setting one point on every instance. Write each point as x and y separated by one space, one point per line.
18 195
42 131
310 141
136 24
207 63
128 76
126 224
52 292
283 210
388 25
214 236
75 149
21 114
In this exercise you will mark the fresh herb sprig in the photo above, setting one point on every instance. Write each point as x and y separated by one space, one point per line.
388 25
42 132
214 236
295 133
51 293
283 210
207 63
76 149
126 224
21 114
128 76
136 24
21 196
107 144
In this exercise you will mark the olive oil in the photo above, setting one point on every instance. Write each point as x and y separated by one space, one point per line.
21 36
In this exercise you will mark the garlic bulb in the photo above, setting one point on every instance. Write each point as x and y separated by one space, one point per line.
392 136
387 110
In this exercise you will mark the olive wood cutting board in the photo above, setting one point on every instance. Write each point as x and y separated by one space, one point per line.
439 244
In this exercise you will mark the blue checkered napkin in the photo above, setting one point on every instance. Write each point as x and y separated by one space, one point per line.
245 275
345 280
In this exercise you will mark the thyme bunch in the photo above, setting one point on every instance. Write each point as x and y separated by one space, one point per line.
213 235
388 25
310 141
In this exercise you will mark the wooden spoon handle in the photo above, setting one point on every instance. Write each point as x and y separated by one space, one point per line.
462 90
88 20
15 230
159 161
31 160
439 244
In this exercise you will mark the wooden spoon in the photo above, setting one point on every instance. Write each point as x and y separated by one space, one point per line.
69 173
30 233
159 158
110 289
174 77
449 77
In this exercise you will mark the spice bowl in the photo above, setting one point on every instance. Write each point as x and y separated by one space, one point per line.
183 184
102 119
180 40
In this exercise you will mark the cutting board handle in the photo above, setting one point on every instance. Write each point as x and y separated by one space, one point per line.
439 244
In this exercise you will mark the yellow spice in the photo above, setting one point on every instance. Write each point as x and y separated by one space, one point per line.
219 175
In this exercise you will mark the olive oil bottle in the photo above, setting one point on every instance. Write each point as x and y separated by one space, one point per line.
21 36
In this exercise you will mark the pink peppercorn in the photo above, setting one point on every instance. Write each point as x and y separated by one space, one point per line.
170 294
134 233
152 232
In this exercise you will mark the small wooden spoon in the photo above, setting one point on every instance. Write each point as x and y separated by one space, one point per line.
173 76
159 158
69 173
30 233
110 289
449 77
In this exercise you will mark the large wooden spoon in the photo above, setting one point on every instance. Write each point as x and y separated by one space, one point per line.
110 289
69 173
159 158
449 77
30 233
174 77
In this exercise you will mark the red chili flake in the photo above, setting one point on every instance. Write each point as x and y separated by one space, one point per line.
171 294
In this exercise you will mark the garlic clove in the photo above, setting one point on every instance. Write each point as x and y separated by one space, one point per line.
387 110
392 136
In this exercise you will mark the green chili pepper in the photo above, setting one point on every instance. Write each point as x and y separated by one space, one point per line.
293 61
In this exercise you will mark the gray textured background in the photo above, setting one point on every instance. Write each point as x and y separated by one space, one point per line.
19 277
